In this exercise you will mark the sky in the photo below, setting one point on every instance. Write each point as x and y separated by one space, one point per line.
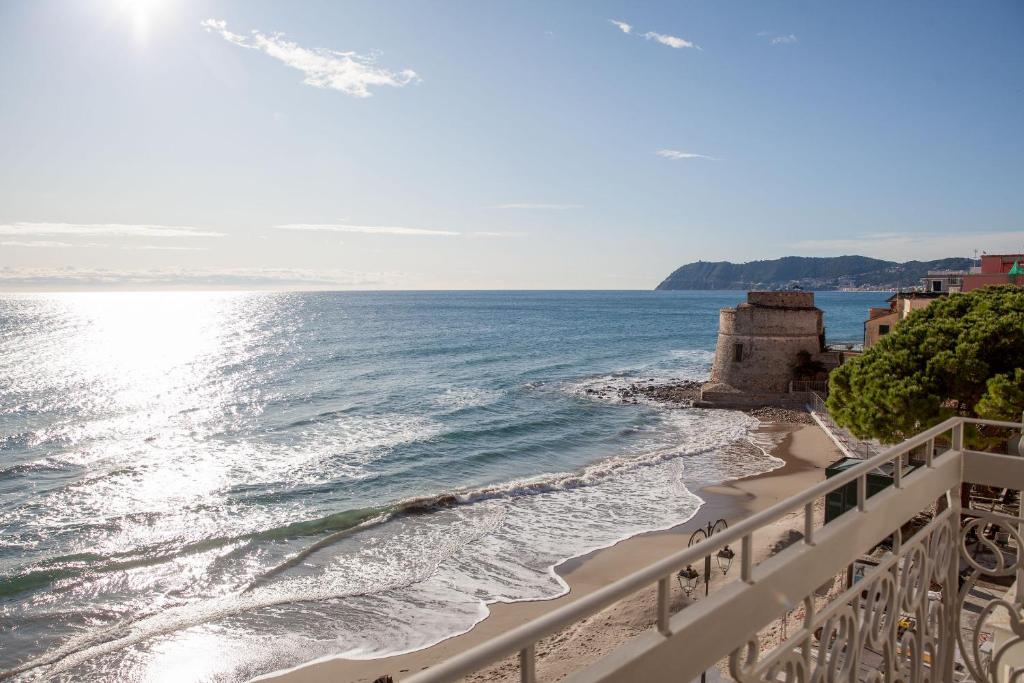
497 145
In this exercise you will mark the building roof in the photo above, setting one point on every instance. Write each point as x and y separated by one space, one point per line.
916 295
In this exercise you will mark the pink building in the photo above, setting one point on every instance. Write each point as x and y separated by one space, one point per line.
996 269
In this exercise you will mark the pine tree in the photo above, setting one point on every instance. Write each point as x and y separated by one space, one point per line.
962 355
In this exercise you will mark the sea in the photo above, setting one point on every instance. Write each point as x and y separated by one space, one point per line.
201 486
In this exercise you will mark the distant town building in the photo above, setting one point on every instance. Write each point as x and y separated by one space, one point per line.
881 321
996 269
943 281
993 269
845 283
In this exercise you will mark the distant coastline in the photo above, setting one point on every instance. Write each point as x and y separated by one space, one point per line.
835 273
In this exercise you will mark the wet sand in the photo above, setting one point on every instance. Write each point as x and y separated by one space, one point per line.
806 451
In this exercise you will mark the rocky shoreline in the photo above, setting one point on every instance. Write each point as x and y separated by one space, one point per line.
684 393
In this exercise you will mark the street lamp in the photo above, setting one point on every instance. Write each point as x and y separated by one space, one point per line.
688 579
724 557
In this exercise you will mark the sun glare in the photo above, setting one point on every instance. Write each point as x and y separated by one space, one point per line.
142 15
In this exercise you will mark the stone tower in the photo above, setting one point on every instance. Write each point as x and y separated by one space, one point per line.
760 342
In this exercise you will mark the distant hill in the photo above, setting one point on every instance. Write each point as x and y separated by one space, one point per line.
833 272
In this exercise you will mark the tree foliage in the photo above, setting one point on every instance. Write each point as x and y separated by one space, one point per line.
962 355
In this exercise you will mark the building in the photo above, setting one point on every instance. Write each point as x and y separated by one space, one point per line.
943 281
882 320
764 346
996 269
759 341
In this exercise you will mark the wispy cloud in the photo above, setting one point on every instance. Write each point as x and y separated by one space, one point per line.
623 26
68 277
678 155
665 39
671 41
367 229
94 229
53 244
163 247
536 205
778 38
349 72
36 244
903 246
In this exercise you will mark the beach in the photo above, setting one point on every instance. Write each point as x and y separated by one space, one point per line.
806 451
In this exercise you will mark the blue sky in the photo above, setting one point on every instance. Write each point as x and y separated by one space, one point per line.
154 143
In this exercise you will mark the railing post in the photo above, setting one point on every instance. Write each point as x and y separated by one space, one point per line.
664 592
1020 566
862 492
890 662
528 664
958 436
808 626
809 523
951 591
747 567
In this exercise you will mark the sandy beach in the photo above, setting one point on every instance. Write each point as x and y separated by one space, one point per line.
806 451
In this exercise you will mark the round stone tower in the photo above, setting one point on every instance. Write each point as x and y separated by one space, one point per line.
760 341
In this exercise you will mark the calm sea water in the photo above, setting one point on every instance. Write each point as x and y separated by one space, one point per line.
208 486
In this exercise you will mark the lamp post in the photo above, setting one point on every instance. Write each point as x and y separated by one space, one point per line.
689 578
724 556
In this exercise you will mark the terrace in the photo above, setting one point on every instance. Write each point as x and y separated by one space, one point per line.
910 584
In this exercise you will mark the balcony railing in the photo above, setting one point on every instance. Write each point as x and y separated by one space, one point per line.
916 615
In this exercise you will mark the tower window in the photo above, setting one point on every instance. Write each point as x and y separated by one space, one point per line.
737 352
883 329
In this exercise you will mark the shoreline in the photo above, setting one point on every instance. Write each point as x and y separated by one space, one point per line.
805 451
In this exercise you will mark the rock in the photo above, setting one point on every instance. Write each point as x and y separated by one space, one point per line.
682 393
781 415
421 506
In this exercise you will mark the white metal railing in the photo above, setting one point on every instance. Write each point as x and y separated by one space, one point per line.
902 621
